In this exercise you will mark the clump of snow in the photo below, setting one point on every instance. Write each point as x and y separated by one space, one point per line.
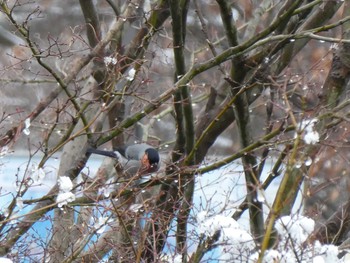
308 161
297 229
209 225
318 259
64 196
237 242
271 255
293 232
310 135
5 260
131 74
329 253
110 60
261 195
26 130
65 184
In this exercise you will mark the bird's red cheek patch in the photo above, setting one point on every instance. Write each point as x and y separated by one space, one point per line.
145 161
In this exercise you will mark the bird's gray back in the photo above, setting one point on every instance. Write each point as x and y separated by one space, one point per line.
136 151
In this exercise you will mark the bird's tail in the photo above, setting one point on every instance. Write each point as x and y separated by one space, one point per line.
102 152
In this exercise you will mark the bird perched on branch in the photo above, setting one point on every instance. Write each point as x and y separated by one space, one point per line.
135 159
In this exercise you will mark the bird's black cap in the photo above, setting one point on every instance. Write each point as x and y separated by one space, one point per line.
153 156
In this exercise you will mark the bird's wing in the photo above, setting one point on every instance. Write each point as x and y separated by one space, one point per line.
121 150
104 153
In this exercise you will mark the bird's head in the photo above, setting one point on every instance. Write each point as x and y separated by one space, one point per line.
150 160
